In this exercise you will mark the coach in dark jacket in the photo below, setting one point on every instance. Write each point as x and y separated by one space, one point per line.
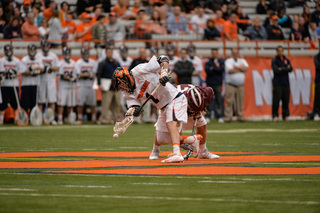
214 69
183 68
281 67
316 103
109 95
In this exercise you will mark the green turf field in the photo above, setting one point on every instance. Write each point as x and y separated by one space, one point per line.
32 190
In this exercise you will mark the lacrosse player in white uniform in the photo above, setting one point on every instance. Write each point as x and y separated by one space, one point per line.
198 99
139 83
48 83
102 55
9 70
67 80
170 49
31 68
197 64
85 71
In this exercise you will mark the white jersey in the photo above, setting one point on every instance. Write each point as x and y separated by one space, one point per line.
66 69
172 61
50 59
26 62
197 64
102 55
85 67
126 63
5 65
146 76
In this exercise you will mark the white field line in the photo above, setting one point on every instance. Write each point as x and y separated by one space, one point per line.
87 186
259 130
16 189
56 127
133 147
193 199
218 181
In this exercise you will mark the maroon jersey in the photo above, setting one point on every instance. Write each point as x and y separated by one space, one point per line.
205 100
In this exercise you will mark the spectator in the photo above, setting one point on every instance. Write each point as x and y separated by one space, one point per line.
109 95
256 31
8 10
225 12
313 36
306 13
284 20
235 68
13 29
16 12
230 28
65 9
316 102
274 31
97 13
214 5
156 24
56 30
262 7
177 23
189 6
142 58
295 34
37 16
183 68
296 3
48 13
277 5
84 28
211 32
197 64
71 25
141 26
120 8
99 31
219 21
214 69
85 6
243 20
281 67
2 21
267 21
199 21
25 8
304 28
133 13
29 30
169 7
115 29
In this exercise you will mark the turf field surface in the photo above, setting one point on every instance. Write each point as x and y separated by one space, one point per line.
264 167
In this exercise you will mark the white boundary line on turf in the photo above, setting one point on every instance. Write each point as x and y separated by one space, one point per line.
87 186
259 130
55 127
193 199
16 189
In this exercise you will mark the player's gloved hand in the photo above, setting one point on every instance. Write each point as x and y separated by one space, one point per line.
47 69
73 78
34 69
12 73
164 78
134 111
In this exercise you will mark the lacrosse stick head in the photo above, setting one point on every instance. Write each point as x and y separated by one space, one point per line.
121 127
36 117
48 116
21 117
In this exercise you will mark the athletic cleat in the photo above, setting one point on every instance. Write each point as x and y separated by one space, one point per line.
154 155
173 159
60 122
195 145
207 155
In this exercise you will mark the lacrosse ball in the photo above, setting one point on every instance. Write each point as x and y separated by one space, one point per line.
115 135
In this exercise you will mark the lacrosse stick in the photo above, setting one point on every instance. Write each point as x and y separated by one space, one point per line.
189 148
36 114
121 127
21 117
72 115
48 112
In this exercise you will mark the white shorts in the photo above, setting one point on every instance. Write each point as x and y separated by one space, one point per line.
51 90
175 111
201 122
86 95
67 97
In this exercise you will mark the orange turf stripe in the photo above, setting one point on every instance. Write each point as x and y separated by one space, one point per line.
147 162
205 170
99 154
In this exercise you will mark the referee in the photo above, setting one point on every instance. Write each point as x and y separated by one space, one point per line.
281 67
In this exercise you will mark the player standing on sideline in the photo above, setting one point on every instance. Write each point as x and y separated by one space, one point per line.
66 94
48 83
9 69
197 64
86 70
170 50
31 68
139 83
198 99
124 60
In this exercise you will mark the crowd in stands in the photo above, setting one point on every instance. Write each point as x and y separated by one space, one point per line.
34 19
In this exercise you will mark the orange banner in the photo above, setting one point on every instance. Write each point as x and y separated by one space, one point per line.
258 87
